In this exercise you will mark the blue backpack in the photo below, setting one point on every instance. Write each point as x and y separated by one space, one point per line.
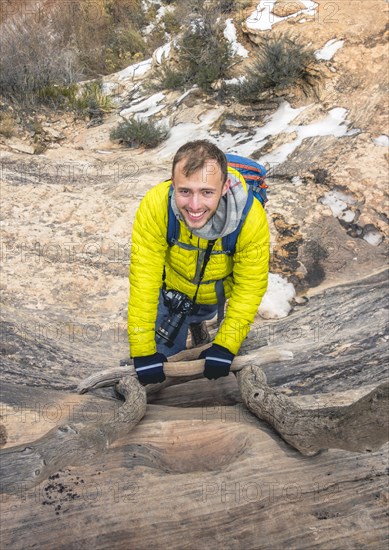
254 175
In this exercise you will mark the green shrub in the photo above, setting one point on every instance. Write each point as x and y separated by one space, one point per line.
126 46
68 43
7 125
88 99
170 22
32 59
204 55
126 11
227 6
280 64
106 33
92 98
171 79
139 133
58 96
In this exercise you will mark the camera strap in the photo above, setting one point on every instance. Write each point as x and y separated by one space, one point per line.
207 255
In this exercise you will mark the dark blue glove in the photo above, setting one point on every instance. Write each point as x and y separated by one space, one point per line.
150 368
217 361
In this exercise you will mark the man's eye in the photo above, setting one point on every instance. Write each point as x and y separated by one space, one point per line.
207 193
184 192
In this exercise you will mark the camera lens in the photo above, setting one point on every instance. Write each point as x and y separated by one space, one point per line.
169 329
179 306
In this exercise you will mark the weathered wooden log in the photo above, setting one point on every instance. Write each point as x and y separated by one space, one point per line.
361 426
177 367
356 427
26 465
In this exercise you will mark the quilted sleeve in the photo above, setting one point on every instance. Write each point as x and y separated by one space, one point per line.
148 253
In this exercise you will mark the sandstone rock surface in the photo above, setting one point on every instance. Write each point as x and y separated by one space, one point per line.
200 470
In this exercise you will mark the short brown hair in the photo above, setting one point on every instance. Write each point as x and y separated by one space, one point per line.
197 153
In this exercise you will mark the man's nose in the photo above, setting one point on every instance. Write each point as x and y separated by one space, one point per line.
194 202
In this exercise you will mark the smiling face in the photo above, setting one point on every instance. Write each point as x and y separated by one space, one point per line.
198 195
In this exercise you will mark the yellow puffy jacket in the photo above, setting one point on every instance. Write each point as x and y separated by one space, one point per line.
244 274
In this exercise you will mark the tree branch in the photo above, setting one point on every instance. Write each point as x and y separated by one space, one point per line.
361 426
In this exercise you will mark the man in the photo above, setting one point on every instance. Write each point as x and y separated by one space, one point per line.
207 197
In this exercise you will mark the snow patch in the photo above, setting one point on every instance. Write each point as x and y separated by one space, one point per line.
109 88
181 133
276 301
145 108
147 3
236 80
244 144
334 124
338 203
373 237
148 29
162 52
334 203
262 19
163 10
185 94
382 140
329 49
347 216
230 35
136 70
296 180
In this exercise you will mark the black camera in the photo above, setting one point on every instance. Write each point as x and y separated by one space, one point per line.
179 306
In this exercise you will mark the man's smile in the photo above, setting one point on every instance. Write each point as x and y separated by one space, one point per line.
195 215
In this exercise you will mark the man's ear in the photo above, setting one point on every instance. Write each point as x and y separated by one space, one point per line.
172 180
226 186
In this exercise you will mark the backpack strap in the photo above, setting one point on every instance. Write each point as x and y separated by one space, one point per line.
221 300
229 241
173 225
